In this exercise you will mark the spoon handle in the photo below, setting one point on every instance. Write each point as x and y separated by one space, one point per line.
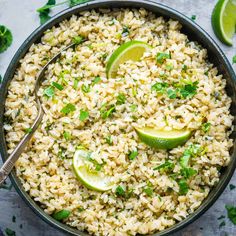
11 160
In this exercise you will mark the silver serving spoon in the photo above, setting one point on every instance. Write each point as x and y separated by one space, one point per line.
11 160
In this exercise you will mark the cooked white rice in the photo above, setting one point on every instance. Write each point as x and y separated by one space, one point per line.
45 167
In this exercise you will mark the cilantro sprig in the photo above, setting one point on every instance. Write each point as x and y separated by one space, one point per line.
6 38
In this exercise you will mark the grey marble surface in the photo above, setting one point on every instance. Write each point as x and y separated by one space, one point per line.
21 17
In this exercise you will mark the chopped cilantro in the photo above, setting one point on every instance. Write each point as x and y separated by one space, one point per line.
231 186
125 31
68 108
5 38
83 115
193 17
96 80
13 219
61 215
76 83
49 91
109 139
120 99
171 93
183 187
166 166
159 87
80 209
189 90
45 10
184 68
58 86
67 135
134 92
106 111
187 172
98 166
161 56
10 232
169 67
133 107
221 217
78 39
133 155
85 88
28 130
231 213
222 224
148 191
120 191
234 59
206 126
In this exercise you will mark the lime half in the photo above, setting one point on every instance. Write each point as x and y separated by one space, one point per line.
162 139
132 50
224 20
92 179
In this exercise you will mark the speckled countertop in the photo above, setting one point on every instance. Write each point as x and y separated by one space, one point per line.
21 18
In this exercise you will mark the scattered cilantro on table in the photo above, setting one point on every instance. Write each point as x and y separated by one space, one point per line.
231 213
6 38
231 186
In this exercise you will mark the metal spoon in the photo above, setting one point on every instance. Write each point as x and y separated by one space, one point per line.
11 160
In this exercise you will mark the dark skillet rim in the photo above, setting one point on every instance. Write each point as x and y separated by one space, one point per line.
216 191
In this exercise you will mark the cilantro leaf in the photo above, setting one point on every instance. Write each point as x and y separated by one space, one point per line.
159 87
222 224
85 88
193 17
67 135
76 2
206 126
189 90
28 130
234 59
125 31
183 187
120 99
231 186
166 166
49 91
45 10
133 155
10 232
148 191
188 172
68 108
171 93
161 56
61 215
231 213
109 139
83 115
78 39
133 107
105 111
58 86
6 38
96 80
120 191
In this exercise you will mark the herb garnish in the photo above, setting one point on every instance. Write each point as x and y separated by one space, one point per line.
76 83
28 130
68 108
67 135
159 87
161 56
49 91
120 99
83 115
78 39
193 17
222 224
183 187
5 38
106 111
189 90
109 139
171 93
234 59
10 232
231 213
148 191
206 126
58 86
166 166
125 31
221 217
85 88
133 107
231 186
61 215
120 191
96 80
133 155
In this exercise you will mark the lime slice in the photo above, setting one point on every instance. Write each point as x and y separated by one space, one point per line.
92 179
224 20
162 139
132 50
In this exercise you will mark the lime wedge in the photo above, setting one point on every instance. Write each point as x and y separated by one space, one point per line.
132 50
92 179
162 139
224 20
